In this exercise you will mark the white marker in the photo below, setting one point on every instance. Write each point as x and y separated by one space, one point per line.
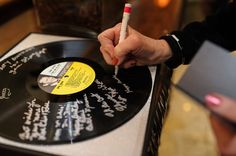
124 26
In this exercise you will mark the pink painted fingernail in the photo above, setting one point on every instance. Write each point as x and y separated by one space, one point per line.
212 100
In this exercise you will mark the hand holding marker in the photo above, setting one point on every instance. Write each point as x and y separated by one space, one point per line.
124 26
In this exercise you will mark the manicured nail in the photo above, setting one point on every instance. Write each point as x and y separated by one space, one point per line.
212 100
115 61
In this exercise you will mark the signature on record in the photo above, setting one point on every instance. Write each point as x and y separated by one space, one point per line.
5 94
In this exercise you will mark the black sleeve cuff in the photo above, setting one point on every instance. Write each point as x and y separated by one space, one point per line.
177 58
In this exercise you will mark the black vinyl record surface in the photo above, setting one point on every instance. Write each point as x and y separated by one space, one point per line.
84 100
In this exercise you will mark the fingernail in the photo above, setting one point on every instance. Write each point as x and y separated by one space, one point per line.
115 61
212 100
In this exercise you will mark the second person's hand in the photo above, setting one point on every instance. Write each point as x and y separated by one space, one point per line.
225 134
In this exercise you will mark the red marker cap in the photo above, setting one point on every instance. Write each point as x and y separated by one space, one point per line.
127 8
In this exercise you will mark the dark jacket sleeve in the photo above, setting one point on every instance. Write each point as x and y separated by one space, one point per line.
219 28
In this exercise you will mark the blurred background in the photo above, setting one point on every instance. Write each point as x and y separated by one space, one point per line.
186 130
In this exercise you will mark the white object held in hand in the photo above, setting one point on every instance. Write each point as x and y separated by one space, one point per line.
124 26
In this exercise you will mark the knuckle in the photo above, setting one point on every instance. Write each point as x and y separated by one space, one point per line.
100 37
118 25
101 49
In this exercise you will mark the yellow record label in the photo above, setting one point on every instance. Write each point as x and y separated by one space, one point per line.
67 78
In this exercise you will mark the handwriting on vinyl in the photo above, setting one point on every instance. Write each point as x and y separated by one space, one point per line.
111 95
127 88
75 115
5 94
17 61
35 121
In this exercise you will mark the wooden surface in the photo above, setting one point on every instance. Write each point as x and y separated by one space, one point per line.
17 28
147 18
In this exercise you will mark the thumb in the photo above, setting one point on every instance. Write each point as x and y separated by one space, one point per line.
222 105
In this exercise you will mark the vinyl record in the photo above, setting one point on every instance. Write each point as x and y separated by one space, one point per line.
63 92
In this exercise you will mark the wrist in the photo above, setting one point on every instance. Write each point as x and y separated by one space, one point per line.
164 49
177 57
158 50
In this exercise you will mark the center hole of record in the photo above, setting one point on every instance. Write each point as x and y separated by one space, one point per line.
66 78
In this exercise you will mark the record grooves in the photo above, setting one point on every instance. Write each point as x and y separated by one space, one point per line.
86 101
